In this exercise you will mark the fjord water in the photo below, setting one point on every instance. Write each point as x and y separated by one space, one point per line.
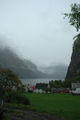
33 81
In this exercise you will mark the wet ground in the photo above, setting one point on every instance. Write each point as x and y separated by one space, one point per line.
17 114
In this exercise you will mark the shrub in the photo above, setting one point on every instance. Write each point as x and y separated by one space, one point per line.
16 97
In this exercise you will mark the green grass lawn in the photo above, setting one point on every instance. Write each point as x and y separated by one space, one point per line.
63 105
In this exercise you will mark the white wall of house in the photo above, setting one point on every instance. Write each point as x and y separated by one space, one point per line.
75 85
39 91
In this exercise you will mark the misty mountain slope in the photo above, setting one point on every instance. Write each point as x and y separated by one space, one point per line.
23 68
57 71
30 65
26 69
60 70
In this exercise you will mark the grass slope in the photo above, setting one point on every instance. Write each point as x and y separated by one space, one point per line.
63 105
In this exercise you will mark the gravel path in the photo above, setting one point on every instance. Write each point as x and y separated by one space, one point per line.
29 115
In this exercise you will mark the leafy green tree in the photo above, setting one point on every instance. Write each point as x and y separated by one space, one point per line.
74 20
67 83
74 16
9 80
21 88
56 84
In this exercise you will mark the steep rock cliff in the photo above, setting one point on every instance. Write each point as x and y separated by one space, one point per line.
74 67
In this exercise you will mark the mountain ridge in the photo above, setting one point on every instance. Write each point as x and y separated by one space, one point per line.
25 68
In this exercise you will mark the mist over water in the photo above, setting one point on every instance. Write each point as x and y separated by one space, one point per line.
37 80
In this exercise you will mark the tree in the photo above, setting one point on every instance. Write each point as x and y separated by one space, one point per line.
74 20
56 84
74 16
9 80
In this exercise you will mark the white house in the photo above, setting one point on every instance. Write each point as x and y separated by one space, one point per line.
39 91
75 85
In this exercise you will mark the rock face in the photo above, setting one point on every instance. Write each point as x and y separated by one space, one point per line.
74 67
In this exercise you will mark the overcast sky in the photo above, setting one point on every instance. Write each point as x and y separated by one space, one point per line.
36 29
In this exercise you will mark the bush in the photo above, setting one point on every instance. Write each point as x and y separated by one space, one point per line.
16 97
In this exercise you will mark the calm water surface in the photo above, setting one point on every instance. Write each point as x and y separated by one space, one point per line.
37 80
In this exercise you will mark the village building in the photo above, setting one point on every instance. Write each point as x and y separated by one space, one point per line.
75 85
29 88
41 88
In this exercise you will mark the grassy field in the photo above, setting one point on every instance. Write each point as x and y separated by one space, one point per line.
63 105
